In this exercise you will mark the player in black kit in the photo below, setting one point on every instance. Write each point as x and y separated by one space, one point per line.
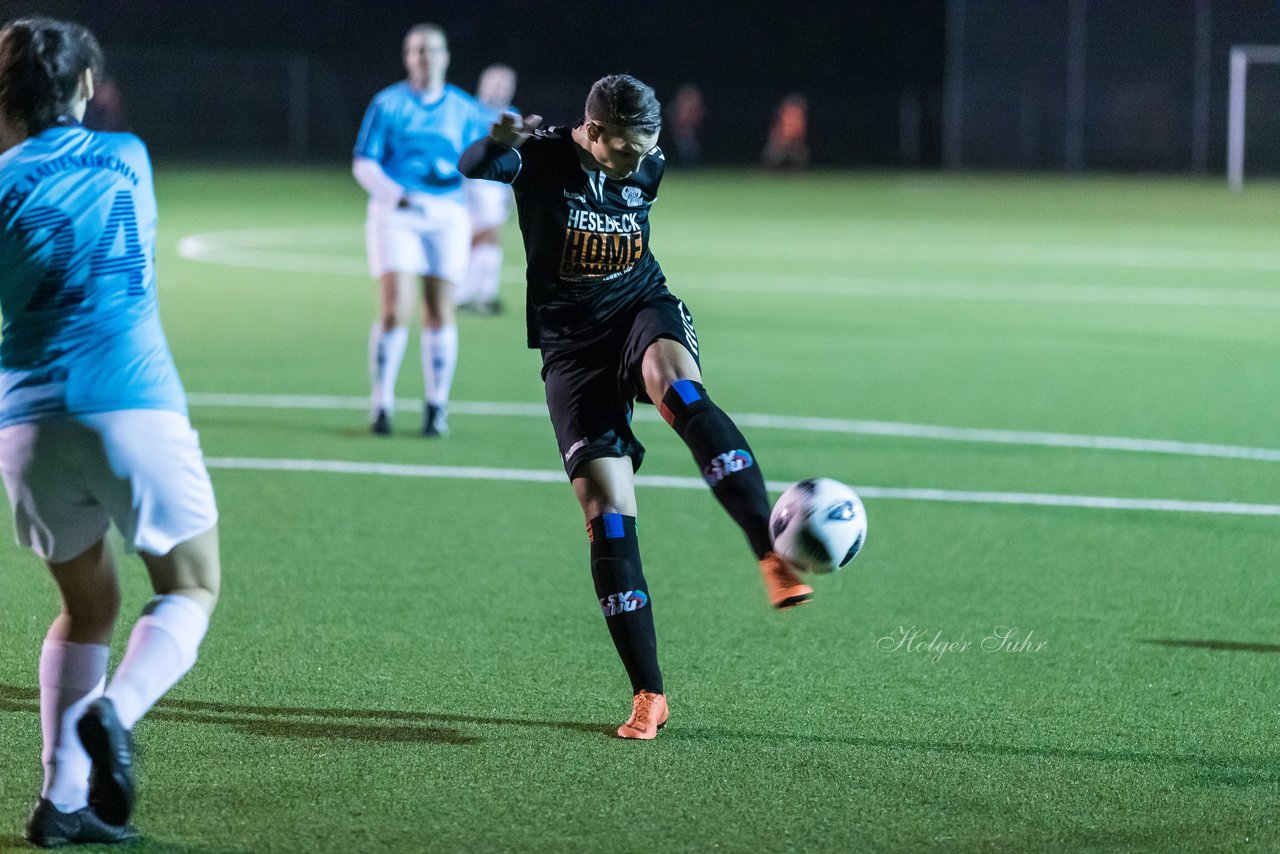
611 333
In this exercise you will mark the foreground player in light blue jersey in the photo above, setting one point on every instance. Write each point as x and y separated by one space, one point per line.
406 157
93 426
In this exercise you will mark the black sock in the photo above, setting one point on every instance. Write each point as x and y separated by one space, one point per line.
726 460
624 597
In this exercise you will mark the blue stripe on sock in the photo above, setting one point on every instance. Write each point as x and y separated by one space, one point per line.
688 393
613 529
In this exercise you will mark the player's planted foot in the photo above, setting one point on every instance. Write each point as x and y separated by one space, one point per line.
435 422
648 715
49 827
111 783
381 423
783 585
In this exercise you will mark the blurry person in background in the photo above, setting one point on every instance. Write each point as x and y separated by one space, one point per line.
684 121
93 427
490 204
106 110
788 145
417 227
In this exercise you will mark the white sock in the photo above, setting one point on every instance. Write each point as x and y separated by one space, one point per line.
71 677
162 648
485 272
464 290
439 360
386 352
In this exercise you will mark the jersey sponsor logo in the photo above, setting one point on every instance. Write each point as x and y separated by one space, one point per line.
584 220
600 246
589 255
623 603
730 462
633 197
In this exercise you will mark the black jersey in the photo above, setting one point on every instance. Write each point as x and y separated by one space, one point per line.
586 236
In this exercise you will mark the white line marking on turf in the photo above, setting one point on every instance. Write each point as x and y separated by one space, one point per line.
782 422
954 289
1091 502
927 248
261 248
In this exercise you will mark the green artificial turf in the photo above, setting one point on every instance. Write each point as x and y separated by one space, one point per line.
419 664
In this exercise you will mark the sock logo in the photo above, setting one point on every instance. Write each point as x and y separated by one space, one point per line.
730 462
621 603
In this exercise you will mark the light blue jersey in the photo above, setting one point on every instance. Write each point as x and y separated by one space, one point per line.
418 143
81 328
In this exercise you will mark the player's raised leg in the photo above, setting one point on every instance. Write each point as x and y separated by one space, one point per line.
605 488
387 339
439 353
728 465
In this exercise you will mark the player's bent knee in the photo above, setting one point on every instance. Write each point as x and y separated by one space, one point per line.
488 237
94 615
192 568
683 399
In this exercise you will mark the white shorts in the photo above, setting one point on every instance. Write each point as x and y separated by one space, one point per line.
431 238
489 203
70 476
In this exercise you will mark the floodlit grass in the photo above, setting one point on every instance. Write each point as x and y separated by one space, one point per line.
404 663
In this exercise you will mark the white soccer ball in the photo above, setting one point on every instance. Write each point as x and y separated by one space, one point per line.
818 525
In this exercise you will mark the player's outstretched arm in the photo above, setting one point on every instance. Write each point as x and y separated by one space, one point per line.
497 157
512 129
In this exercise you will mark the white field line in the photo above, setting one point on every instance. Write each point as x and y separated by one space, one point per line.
782 422
670 482
984 250
955 289
263 249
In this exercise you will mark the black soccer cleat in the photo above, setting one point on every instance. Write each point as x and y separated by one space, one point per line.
112 787
49 827
381 423
435 422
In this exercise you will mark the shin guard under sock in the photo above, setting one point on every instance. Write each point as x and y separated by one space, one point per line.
624 597
724 457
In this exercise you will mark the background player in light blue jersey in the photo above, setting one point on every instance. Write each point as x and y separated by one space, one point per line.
406 158
489 203
93 426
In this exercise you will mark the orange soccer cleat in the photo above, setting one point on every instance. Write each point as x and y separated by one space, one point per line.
783 585
648 715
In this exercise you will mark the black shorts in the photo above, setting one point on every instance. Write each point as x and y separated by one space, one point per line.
591 393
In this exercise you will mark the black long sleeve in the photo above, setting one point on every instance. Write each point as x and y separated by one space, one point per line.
490 161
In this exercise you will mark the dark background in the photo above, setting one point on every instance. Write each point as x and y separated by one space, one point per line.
289 80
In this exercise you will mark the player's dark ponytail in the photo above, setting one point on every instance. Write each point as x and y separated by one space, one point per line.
622 101
41 62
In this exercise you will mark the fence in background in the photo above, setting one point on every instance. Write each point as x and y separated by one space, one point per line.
1092 85
1056 85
